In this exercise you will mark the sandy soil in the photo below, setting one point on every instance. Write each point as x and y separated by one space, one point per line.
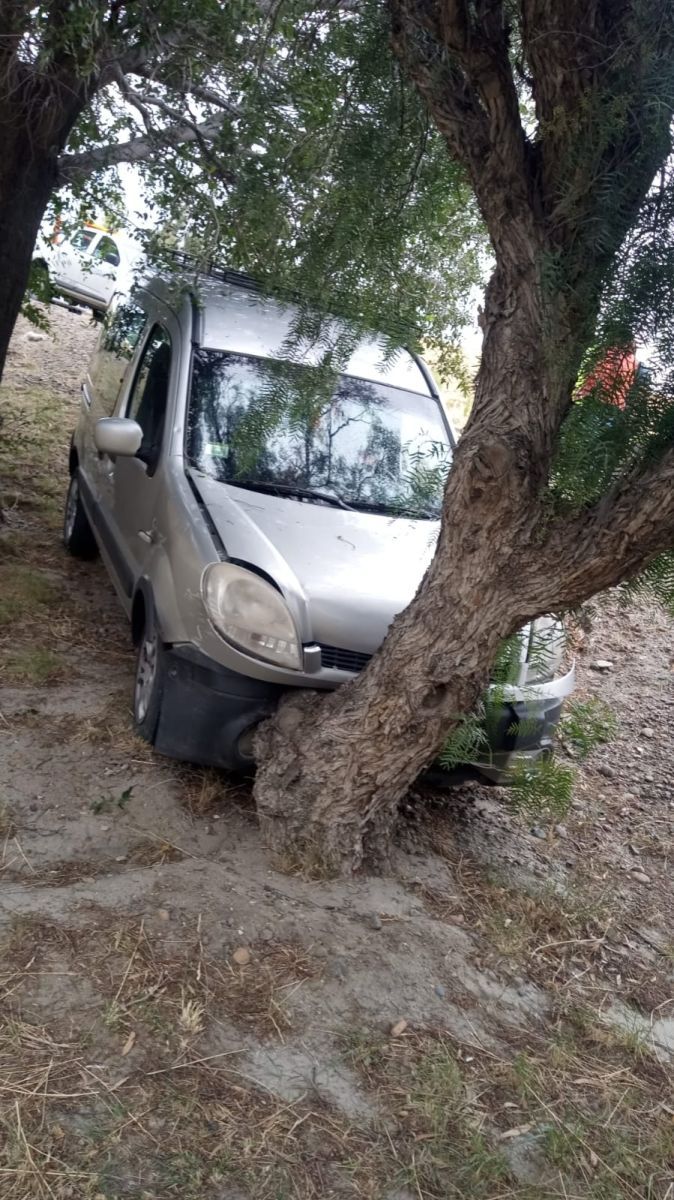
177 1018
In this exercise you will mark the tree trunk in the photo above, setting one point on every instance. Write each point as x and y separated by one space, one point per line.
331 773
28 173
26 185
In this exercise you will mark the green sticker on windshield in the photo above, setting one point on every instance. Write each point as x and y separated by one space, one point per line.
217 449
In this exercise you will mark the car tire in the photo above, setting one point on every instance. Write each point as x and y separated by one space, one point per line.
78 538
149 681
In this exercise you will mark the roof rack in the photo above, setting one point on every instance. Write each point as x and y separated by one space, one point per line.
215 270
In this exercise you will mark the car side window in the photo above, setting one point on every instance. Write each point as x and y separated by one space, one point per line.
149 395
122 328
107 252
119 337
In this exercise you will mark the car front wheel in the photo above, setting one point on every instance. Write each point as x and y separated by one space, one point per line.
78 538
149 682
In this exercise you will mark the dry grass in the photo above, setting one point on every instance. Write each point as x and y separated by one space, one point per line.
586 1102
7 822
45 620
572 943
150 852
548 933
207 792
111 727
151 982
190 1128
135 1106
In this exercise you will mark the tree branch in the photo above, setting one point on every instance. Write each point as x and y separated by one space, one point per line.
461 67
73 168
614 540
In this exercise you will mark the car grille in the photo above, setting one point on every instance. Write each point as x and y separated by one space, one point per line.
343 660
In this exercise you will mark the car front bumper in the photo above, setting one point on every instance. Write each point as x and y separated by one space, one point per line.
522 725
209 713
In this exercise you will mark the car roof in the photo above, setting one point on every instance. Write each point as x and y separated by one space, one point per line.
234 317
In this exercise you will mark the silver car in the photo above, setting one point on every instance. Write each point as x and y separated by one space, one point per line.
262 517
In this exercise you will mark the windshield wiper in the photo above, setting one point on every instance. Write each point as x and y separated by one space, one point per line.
289 489
395 510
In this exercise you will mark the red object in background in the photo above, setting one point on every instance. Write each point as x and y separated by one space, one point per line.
613 376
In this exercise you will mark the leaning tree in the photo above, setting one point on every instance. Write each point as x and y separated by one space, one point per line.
559 113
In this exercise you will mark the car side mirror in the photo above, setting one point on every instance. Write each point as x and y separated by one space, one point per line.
117 436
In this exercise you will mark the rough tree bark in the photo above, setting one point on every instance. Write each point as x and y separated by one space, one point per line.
331 772
39 105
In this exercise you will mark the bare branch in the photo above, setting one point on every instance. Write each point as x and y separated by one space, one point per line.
73 168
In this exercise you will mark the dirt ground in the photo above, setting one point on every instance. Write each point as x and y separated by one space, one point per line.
179 1019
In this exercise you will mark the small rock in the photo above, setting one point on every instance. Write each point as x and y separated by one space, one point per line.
648 732
641 876
440 991
337 968
241 956
634 848
561 831
398 1028
605 770
537 832
163 914
375 921
37 337
602 664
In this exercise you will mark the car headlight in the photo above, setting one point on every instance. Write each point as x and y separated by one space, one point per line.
250 613
545 654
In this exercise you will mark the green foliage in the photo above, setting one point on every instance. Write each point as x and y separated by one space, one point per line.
465 743
601 443
508 662
588 723
543 788
39 291
656 582
325 176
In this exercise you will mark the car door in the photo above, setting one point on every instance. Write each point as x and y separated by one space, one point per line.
72 261
105 260
103 391
136 481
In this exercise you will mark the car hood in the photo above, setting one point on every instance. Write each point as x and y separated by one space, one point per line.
345 574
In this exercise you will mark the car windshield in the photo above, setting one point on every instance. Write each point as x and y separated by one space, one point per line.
266 424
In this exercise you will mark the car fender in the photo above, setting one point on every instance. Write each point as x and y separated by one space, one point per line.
158 591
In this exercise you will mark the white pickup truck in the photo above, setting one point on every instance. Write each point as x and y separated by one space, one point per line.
90 266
